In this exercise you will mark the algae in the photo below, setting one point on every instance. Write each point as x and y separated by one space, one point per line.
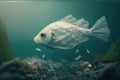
5 52
112 54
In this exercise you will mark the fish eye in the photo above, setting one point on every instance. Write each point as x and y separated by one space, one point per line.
43 35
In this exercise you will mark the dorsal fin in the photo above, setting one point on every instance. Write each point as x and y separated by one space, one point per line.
82 23
70 19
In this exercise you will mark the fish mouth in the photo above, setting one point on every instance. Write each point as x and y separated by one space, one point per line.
36 40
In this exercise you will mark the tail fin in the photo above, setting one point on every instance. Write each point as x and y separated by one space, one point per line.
100 29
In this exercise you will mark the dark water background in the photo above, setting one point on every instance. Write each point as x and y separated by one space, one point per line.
24 19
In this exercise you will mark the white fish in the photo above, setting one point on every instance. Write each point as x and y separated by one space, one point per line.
38 49
78 57
43 56
87 50
77 51
69 32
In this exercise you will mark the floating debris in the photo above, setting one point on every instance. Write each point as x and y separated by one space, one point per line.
43 56
38 49
87 50
78 57
77 51
51 67
86 69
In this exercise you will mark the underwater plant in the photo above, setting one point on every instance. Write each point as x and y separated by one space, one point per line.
113 53
5 53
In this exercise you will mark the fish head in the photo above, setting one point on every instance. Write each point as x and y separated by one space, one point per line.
43 37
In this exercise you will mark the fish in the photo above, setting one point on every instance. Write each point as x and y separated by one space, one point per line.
69 32
78 57
38 49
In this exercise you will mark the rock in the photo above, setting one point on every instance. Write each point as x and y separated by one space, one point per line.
14 70
9 76
111 73
38 69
